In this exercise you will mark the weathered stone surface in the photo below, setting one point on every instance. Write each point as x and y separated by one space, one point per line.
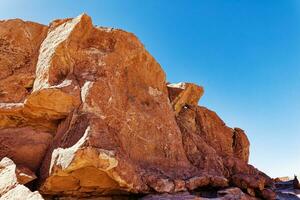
11 179
199 153
234 194
245 181
19 47
196 182
182 94
24 175
93 115
241 145
12 115
214 131
25 146
123 93
8 178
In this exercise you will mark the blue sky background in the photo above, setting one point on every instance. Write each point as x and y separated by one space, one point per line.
246 54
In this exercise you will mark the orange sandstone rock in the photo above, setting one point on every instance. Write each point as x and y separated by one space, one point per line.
90 111
182 94
25 146
19 49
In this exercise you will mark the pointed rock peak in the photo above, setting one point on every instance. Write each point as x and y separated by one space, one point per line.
82 17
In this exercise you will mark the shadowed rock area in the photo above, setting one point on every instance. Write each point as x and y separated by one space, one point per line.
87 111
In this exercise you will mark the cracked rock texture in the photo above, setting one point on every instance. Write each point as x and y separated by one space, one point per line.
89 111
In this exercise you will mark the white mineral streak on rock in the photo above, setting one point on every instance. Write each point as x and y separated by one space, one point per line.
25 175
64 157
180 85
84 90
52 41
90 106
65 83
21 192
10 189
11 105
108 155
121 181
8 178
110 99
154 92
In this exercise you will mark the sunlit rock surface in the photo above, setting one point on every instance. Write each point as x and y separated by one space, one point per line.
89 111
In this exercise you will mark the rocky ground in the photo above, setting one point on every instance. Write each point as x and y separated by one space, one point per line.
86 113
287 190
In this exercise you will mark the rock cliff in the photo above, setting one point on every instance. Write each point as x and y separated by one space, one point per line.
87 112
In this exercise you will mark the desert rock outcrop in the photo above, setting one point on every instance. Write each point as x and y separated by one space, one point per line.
89 111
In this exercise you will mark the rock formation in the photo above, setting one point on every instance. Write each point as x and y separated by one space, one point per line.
11 180
89 111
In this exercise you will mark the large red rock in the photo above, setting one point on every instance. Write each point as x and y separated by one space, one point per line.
96 117
124 127
219 151
181 94
25 146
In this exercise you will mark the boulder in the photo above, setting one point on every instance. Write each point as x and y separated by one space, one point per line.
234 193
123 129
91 113
25 146
182 94
218 151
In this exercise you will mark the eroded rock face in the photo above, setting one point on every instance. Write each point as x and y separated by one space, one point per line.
99 118
127 127
241 145
19 47
182 94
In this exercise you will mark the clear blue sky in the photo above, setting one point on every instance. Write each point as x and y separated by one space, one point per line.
246 53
